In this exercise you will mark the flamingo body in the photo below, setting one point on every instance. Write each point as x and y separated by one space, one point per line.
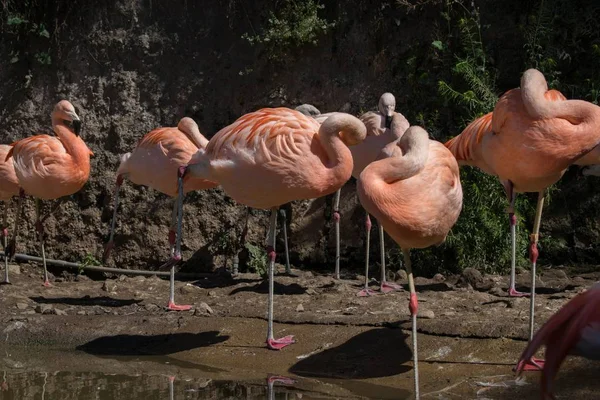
159 153
273 156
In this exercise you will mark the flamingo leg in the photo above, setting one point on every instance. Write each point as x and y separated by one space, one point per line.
512 196
366 291
534 364
10 250
6 281
171 388
413 306
272 343
110 244
336 218
176 256
288 269
173 227
39 226
272 379
386 287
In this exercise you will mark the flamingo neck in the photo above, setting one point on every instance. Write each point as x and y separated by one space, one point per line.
334 135
74 145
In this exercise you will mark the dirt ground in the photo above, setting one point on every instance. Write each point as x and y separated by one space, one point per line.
470 332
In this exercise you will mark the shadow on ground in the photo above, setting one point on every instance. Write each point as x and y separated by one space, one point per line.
372 354
278 288
135 345
103 301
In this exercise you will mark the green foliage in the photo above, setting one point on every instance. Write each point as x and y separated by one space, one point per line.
294 24
257 261
22 30
88 261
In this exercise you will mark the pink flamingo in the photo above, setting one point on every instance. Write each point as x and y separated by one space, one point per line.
416 195
49 168
529 141
574 329
273 156
154 163
9 187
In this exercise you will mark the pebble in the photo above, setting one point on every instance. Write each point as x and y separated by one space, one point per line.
300 308
497 291
203 309
44 309
14 269
212 293
186 289
81 312
151 307
122 278
58 311
22 306
311 291
426 314
439 278
402 275
110 287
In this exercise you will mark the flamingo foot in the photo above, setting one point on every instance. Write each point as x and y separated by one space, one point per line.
6 282
512 292
280 379
278 344
175 307
366 293
46 284
387 287
533 364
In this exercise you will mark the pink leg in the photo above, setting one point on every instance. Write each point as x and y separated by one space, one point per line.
366 291
385 286
272 343
175 240
512 219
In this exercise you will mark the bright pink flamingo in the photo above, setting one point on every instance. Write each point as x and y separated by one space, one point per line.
9 187
528 142
574 329
416 196
273 156
154 163
49 168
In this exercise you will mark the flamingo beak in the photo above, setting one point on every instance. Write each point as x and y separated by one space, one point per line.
388 121
77 126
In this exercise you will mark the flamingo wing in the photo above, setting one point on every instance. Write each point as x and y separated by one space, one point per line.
38 155
465 147
574 329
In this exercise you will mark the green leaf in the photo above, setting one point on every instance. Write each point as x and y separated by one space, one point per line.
15 20
438 44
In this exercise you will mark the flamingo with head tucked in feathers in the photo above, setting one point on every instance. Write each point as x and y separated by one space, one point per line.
531 138
49 168
273 156
415 194
9 187
154 163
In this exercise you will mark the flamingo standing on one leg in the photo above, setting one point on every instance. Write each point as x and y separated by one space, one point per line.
273 156
574 329
529 141
49 168
9 187
416 195
154 163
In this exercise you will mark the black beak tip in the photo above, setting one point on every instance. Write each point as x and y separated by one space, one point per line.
77 126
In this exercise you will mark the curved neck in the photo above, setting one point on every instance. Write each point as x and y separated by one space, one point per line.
191 130
73 143
336 133
415 152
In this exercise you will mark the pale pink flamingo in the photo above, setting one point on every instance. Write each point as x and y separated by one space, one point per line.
49 168
154 163
528 142
273 156
9 187
574 329
416 195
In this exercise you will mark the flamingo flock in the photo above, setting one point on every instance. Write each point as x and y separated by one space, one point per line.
408 182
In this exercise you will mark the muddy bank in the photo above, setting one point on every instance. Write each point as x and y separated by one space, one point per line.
466 327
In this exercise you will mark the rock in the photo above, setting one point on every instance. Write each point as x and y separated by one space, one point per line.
122 278
555 274
81 312
308 274
426 314
402 275
109 286
470 276
203 309
449 313
22 306
58 311
497 291
44 309
187 289
14 269
439 278
476 308
212 293
151 307
300 308
578 280
311 291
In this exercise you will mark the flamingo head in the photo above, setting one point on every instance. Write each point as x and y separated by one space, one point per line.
65 112
308 109
387 105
